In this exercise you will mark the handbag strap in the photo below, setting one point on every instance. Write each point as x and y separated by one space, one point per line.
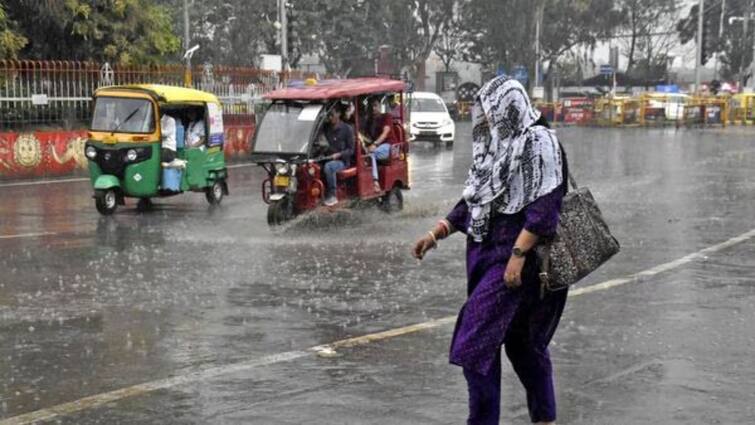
545 262
573 182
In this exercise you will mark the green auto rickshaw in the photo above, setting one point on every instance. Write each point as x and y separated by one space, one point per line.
149 141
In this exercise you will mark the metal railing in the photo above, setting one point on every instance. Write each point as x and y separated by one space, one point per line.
59 93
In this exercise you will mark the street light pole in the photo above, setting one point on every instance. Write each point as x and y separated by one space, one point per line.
698 61
283 34
538 26
187 71
752 72
720 32
537 47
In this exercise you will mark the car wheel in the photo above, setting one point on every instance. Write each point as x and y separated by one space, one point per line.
214 193
106 201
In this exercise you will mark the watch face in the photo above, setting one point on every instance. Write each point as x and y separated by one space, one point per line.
518 252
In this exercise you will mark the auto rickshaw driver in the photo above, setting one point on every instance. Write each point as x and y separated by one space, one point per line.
340 137
168 138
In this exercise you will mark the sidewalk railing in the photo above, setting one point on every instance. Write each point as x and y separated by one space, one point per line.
58 93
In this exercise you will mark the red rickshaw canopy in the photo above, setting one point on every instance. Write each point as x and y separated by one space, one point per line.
336 89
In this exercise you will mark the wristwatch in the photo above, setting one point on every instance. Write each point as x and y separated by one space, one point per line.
518 252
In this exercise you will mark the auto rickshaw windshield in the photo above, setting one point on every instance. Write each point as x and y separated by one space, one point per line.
124 115
287 128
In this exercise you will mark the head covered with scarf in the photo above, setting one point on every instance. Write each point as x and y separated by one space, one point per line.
515 161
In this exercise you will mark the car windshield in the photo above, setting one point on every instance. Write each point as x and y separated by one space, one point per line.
286 128
123 115
427 105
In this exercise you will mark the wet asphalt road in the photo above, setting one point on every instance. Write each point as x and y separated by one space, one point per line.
90 305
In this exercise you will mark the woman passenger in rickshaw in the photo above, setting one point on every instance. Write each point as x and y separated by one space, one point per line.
379 129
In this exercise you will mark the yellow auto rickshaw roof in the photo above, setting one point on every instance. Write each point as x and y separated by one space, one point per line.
163 93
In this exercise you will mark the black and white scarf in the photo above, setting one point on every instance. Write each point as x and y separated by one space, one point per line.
515 161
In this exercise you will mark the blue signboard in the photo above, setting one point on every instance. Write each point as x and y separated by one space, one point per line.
500 71
669 88
606 70
521 74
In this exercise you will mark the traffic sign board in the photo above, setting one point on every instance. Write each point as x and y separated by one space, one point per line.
521 74
606 70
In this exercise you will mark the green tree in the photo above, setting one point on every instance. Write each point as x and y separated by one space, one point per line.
229 32
413 29
646 45
11 42
341 33
120 31
503 32
732 43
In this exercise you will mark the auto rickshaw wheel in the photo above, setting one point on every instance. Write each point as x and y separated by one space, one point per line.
393 201
279 212
214 193
144 204
106 201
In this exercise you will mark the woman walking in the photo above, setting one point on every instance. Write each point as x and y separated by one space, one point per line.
512 199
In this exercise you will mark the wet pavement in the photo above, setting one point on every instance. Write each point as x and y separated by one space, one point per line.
202 315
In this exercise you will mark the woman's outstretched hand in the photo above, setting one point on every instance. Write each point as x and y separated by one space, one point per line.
423 245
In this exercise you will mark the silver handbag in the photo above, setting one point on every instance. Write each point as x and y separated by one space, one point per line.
582 242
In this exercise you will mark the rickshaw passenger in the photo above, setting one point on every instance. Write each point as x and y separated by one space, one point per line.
379 128
168 138
396 107
195 134
340 138
348 114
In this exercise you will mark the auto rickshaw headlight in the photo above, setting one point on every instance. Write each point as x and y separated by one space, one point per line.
311 171
131 155
281 168
90 152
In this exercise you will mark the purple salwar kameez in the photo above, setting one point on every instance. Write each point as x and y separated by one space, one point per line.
496 315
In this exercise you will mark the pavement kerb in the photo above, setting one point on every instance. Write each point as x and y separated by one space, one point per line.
83 179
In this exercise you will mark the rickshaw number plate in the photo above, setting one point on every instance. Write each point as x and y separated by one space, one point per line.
281 181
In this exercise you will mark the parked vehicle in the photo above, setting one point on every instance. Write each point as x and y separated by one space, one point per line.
665 106
287 138
430 120
124 147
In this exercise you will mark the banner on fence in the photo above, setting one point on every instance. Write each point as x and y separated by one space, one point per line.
61 153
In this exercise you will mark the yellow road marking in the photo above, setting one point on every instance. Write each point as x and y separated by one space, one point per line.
27 235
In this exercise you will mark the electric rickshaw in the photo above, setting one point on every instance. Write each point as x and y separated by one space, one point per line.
287 139
125 147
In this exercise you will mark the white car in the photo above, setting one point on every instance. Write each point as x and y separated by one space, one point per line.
430 120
